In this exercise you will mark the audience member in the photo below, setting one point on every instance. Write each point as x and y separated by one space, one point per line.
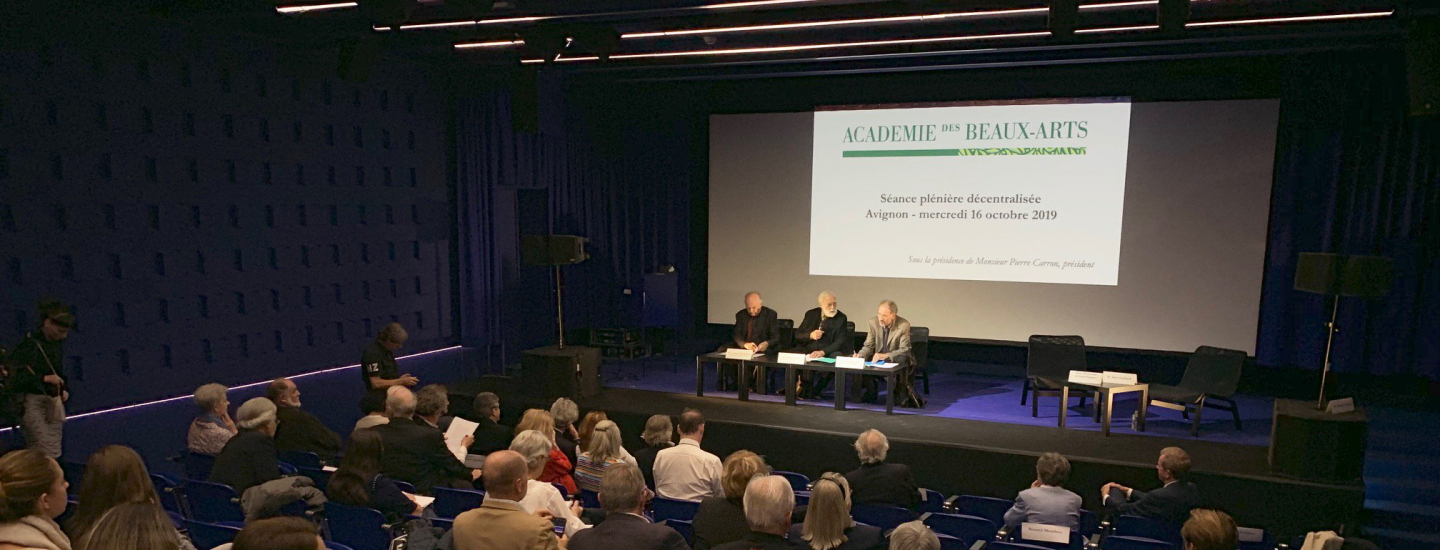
358 481
500 523
37 382
213 426
299 430
623 496
657 436
828 525
769 502
249 458
431 403
603 452
372 406
416 452
685 472
721 519
535 447
133 526
1171 503
566 413
1046 501
283 533
115 475
586 428
490 436
913 535
32 495
1209 530
557 468
875 481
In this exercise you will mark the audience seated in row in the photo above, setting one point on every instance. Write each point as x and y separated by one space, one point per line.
721 519
1046 501
623 495
603 452
685 471
828 525
490 436
212 428
558 467
877 483
415 447
249 458
115 475
358 481
32 495
658 435
1171 503
565 414
299 430
536 447
501 523
769 503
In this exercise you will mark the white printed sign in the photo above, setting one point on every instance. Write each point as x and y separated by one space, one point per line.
739 353
1127 378
849 362
1044 533
1085 377
791 358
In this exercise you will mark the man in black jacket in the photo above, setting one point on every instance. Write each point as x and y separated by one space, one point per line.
249 458
1171 503
757 328
877 482
415 452
623 496
299 430
490 436
823 333
769 505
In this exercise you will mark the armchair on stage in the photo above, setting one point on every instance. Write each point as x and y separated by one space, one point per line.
1210 380
1048 364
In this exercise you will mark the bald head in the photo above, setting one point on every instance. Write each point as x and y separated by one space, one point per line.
506 475
753 303
399 402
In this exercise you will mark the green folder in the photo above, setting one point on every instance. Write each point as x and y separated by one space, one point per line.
830 360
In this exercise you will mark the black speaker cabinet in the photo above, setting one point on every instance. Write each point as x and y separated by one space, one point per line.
552 249
551 372
1422 66
1313 445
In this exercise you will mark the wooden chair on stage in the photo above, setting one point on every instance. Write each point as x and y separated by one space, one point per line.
1210 380
1047 367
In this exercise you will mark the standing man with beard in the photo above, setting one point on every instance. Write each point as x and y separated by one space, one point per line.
38 375
823 333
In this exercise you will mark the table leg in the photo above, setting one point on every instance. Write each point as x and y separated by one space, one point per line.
890 394
1064 400
790 385
743 372
699 378
1109 409
1144 408
839 391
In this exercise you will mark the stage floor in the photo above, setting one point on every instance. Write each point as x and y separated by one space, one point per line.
978 397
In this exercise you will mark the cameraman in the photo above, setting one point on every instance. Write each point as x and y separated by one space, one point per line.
38 376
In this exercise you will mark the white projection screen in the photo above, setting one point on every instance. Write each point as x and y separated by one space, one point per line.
1192 223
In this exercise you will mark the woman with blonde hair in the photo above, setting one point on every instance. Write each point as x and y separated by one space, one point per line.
604 450
722 519
115 475
32 495
557 469
587 431
137 525
828 525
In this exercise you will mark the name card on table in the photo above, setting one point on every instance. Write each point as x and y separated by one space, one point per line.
849 362
1044 533
1339 406
1250 534
739 353
791 358
1112 377
1085 377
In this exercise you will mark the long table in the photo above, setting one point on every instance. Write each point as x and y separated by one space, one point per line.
768 361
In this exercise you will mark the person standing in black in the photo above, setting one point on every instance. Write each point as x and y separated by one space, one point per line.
377 363
824 333
38 376
757 328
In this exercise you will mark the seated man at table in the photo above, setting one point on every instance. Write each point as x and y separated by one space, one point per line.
888 340
757 328
823 334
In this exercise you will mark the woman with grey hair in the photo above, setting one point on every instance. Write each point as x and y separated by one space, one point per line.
913 536
659 435
566 413
249 458
536 447
828 525
212 428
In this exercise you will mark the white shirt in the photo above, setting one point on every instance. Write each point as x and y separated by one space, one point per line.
539 494
685 472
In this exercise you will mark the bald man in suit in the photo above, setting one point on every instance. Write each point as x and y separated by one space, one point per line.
500 523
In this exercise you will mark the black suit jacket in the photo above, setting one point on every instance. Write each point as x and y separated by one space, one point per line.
718 521
301 431
1170 504
627 532
416 454
766 328
567 446
759 541
645 459
490 437
884 484
835 341
247 460
859 537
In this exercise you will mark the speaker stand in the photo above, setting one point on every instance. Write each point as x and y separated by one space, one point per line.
560 310
1330 330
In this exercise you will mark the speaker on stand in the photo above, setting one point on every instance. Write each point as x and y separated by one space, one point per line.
559 370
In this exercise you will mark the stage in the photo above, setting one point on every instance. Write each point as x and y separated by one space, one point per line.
973 437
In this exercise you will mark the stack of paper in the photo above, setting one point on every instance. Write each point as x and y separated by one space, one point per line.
422 500
459 428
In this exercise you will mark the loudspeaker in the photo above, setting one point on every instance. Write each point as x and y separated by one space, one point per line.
1318 273
551 372
552 249
1422 66
1332 274
1313 445
358 59
525 105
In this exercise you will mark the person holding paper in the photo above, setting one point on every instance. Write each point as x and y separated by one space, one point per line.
823 333
415 451
757 328
888 340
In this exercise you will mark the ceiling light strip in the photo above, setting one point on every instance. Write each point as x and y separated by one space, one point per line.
804 47
1112 5
754 3
1118 29
838 22
494 44
316 7
1293 19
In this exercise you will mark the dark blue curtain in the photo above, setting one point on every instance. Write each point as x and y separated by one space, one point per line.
1354 175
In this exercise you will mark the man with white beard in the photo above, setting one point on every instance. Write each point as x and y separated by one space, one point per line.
823 333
